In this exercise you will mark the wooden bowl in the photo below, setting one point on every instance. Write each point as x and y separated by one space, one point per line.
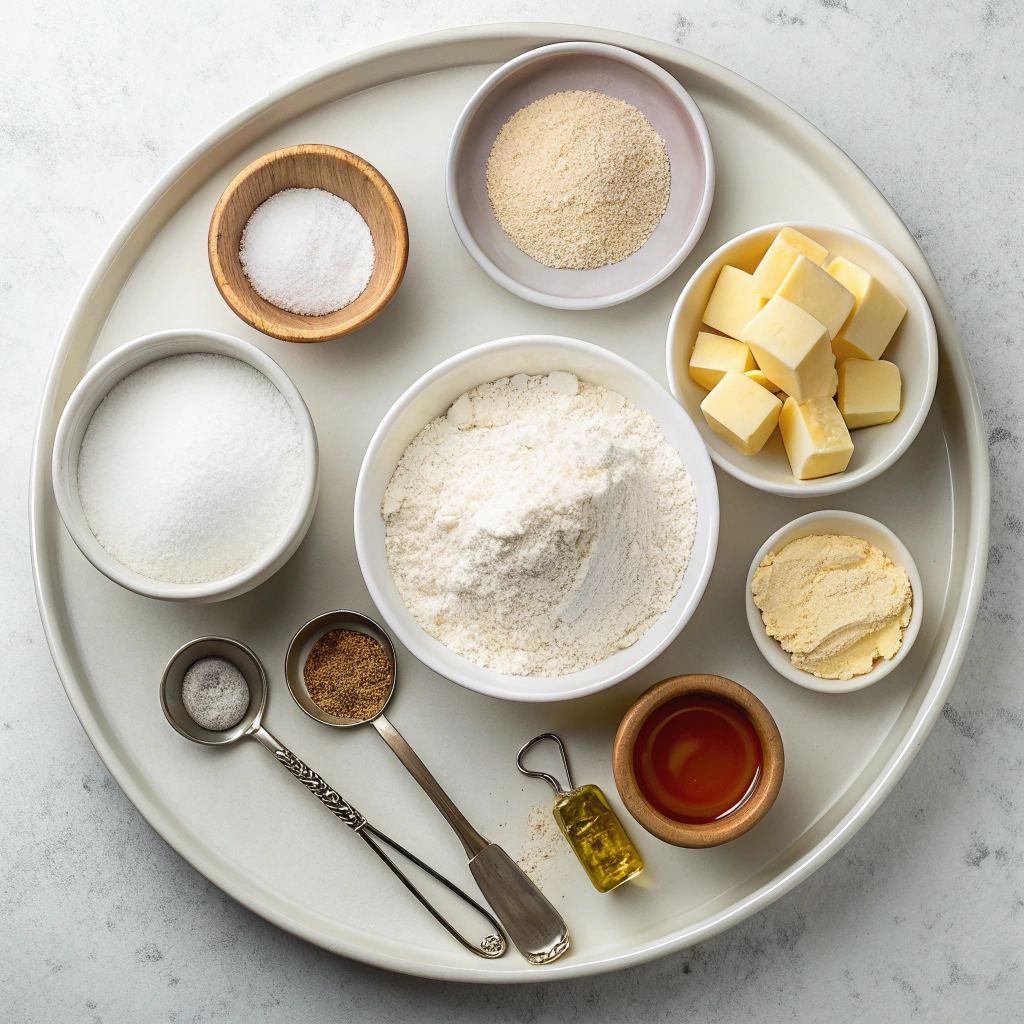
310 166
732 825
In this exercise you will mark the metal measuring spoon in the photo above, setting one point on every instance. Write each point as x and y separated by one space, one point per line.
532 923
491 947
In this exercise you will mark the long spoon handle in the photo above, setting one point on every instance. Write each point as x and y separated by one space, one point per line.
330 798
532 923
471 840
493 944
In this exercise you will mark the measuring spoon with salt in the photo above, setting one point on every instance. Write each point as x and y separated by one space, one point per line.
251 725
532 923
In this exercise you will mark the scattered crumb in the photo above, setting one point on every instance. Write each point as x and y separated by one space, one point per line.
544 843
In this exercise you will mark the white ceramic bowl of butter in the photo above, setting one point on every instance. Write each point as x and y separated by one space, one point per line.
914 349
430 397
849 524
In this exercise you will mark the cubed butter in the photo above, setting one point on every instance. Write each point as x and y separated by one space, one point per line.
792 350
733 302
875 316
816 439
817 292
742 412
869 392
713 355
781 255
759 378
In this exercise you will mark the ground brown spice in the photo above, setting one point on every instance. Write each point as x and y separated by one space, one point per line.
348 674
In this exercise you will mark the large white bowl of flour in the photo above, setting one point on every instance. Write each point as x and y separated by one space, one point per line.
432 396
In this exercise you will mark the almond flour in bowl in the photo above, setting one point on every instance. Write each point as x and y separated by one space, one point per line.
836 604
540 525
578 180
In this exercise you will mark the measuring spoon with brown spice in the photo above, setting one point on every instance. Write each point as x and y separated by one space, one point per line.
250 726
341 670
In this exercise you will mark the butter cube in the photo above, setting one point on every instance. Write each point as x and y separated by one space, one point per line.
759 378
713 355
816 439
742 412
869 392
733 302
876 313
818 293
792 350
781 255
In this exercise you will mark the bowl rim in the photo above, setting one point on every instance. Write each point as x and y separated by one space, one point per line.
770 648
838 482
612 53
90 391
366 515
391 200
733 825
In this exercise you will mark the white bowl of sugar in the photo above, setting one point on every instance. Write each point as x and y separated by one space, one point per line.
673 439
185 466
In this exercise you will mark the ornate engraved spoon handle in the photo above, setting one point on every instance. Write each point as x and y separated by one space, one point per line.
330 798
493 945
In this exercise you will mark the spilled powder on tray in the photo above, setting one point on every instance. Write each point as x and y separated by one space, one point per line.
544 845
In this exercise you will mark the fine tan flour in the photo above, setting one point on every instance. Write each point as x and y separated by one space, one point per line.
837 604
578 180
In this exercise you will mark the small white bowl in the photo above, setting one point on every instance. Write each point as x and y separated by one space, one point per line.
430 397
914 349
615 72
848 524
74 421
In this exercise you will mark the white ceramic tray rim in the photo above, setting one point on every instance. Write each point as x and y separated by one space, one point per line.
421 55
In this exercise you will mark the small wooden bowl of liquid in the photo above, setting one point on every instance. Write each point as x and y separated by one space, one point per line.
698 760
309 166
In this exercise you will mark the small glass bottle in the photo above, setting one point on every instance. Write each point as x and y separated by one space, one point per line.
589 824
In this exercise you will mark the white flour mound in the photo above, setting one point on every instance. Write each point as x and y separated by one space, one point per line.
540 526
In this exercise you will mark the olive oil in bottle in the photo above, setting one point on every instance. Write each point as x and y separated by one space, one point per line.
589 824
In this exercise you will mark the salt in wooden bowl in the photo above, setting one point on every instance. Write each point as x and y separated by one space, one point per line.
309 166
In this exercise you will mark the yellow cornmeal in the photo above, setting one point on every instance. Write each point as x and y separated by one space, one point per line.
836 604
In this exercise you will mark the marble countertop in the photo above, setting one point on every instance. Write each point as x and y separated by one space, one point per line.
920 915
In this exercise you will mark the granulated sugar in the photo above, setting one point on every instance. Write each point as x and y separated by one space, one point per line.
307 251
191 468
578 179
540 526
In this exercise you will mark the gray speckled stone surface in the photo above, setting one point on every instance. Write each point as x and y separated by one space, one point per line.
921 915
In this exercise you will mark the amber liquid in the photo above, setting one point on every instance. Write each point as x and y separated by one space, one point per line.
697 758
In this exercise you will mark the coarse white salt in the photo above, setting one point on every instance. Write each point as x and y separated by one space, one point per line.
307 251
191 468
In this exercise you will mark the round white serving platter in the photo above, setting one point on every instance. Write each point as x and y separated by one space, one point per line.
242 821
